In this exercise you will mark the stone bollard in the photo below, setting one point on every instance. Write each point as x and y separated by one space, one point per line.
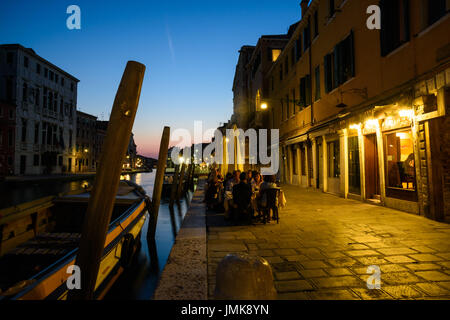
244 277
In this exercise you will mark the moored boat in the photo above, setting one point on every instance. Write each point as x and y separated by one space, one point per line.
39 242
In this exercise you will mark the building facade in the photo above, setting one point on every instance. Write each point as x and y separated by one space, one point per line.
364 113
86 137
45 98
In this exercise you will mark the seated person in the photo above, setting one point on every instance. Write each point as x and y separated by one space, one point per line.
242 194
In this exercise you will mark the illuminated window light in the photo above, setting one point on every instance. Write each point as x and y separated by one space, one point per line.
355 126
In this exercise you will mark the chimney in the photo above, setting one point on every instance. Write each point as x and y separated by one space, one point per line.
304 6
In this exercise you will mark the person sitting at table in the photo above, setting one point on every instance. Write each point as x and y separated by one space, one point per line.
242 194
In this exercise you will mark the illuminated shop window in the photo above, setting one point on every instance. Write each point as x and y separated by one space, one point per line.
400 164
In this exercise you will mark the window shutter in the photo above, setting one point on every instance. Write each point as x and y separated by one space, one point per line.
336 67
327 76
352 53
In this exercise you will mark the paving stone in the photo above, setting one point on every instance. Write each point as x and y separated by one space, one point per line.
293 285
290 275
399 278
298 257
338 271
396 251
227 247
444 284
314 264
342 262
361 253
372 294
402 292
425 257
423 249
444 255
387 268
422 266
312 273
445 264
432 289
337 282
369 261
285 252
274 259
399 259
433 275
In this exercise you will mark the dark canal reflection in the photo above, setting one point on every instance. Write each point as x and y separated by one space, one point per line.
140 280
12 194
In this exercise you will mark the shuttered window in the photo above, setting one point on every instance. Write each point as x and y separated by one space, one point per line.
394 24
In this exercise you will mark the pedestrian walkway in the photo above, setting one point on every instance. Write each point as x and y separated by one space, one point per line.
323 245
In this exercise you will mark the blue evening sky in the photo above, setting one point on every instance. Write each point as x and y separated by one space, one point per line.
190 49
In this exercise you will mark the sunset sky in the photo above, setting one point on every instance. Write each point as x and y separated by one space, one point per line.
190 49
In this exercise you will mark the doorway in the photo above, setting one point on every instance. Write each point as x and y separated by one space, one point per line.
372 167
319 150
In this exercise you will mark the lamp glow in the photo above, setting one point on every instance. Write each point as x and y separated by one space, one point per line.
264 106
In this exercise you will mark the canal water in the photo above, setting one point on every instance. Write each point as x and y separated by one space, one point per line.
139 281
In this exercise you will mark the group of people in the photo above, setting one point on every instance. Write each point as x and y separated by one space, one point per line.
244 196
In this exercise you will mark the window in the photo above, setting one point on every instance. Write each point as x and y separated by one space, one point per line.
24 130
9 89
286 65
275 54
45 72
435 9
9 57
10 137
60 161
288 107
307 36
293 101
305 91
38 68
331 8
354 182
339 66
52 75
293 56
11 114
36 133
400 165
333 159
37 96
25 61
394 24
317 83
36 160
298 47
272 81
281 72
24 92
62 81
56 78
316 23
70 139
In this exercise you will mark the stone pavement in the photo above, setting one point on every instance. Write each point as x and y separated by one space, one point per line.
324 244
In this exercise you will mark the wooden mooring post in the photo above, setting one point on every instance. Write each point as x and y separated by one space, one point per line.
173 189
103 194
159 180
180 180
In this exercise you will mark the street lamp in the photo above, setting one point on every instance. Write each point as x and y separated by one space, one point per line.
263 106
